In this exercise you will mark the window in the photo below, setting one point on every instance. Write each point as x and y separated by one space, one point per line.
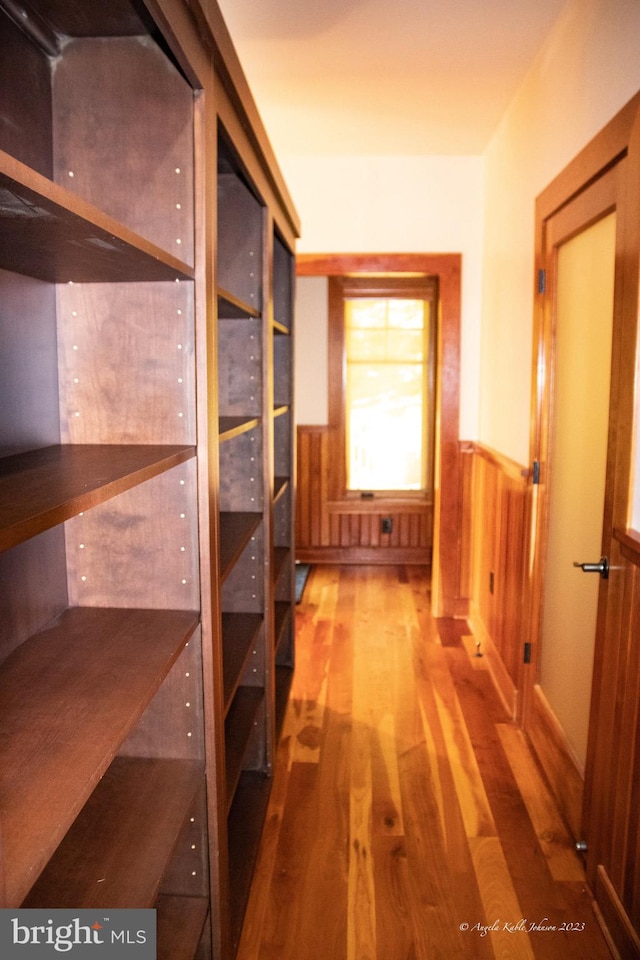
384 403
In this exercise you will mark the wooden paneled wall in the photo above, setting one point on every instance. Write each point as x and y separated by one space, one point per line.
494 559
614 800
332 530
493 547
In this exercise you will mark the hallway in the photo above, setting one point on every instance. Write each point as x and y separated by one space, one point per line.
408 820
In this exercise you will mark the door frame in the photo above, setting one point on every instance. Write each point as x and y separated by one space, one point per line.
448 598
574 790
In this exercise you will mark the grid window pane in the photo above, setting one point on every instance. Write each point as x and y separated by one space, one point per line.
386 394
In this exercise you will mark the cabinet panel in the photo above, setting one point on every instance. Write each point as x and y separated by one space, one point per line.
243 587
126 360
28 366
140 549
241 640
239 367
135 158
172 724
241 481
33 587
283 280
187 875
181 926
49 233
26 127
282 370
240 228
283 443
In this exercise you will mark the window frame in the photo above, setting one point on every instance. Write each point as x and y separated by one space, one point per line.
342 288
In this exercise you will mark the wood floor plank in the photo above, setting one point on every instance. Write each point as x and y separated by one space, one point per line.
308 694
553 837
361 929
509 937
386 800
321 896
432 891
405 805
361 937
325 585
394 922
282 913
469 785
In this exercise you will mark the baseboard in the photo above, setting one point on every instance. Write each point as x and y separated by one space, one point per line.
503 683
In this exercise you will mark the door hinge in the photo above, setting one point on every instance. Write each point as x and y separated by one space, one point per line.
527 653
542 281
536 471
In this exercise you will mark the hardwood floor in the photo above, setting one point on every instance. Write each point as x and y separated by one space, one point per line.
408 820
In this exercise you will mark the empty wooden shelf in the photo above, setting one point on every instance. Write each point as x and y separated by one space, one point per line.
42 488
48 233
117 850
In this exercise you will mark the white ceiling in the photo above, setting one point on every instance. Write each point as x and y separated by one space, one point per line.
385 76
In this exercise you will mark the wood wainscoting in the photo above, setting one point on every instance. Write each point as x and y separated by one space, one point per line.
330 530
493 546
612 807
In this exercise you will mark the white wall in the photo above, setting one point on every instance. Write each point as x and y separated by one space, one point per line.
311 350
587 70
392 205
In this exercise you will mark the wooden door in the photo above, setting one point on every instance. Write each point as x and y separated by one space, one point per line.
572 387
597 780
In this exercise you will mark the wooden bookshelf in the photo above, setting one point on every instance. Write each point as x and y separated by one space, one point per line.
138 492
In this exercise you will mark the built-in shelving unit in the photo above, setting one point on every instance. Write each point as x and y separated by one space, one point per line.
145 465
283 483
101 641
244 519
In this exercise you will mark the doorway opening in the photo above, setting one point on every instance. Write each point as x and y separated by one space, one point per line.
326 530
